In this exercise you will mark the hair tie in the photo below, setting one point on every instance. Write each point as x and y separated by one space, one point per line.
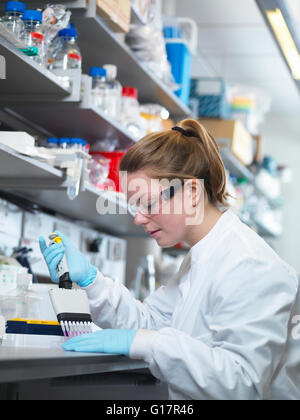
184 132
187 133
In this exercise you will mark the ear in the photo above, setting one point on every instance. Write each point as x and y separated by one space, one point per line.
194 188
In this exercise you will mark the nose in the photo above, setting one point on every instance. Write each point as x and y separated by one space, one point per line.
140 219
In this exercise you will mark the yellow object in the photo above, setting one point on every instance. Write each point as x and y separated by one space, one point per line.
243 101
55 238
234 132
153 122
35 322
285 39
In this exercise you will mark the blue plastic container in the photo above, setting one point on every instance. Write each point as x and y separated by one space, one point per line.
180 59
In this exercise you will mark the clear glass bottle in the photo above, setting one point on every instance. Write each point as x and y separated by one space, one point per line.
99 88
114 97
32 35
13 17
67 55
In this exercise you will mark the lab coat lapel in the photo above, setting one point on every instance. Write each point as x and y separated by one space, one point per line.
188 317
184 268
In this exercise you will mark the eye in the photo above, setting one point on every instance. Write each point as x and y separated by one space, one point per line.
148 206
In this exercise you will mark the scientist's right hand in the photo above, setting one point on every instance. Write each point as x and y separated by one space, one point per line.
81 270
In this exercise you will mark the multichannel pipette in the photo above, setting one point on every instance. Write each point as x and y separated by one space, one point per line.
70 305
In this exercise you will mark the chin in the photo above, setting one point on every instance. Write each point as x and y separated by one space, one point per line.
167 243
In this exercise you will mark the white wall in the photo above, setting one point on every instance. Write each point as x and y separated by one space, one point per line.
282 140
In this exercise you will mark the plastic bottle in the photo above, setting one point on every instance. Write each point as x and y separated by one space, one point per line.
52 143
131 118
99 88
32 35
13 17
114 98
68 55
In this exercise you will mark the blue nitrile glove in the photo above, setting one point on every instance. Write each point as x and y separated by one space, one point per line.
81 270
104 341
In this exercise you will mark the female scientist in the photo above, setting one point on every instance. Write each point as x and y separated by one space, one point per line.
223 327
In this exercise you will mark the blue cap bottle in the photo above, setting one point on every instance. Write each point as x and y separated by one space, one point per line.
76 143
97 72
34 15
64 142
68 32
15 6
52 143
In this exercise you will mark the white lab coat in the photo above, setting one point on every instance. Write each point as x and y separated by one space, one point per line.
222 329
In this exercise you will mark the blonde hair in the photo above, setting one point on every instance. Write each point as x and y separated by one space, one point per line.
193 154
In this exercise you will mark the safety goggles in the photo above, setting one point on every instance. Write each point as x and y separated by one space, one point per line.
155 205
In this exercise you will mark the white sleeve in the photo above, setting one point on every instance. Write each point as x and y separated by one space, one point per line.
113 306
249 332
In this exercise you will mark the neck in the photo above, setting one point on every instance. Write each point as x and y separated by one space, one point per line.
197 232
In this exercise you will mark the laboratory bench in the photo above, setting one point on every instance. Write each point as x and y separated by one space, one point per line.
53 374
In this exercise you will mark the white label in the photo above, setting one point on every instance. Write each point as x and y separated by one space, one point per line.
209 88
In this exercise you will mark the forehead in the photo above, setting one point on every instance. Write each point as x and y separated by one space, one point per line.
141 183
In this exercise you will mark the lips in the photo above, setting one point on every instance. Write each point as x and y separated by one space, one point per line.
154 233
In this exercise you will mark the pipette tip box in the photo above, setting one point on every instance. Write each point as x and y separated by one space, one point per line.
45 328
34 334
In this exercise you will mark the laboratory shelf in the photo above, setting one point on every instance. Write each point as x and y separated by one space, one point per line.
100 45
234 166
84 208
25 79
74 5
20 171
46 186
136 18
71 119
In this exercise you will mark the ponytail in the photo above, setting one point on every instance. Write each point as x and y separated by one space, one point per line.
215 180
186 152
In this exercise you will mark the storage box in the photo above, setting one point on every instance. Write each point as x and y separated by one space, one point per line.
116 12
209 98
231 134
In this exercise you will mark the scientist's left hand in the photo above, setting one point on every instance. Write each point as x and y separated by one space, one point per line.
104 341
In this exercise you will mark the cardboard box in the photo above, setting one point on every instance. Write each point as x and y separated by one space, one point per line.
232 134
116 12
258 149
168 124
